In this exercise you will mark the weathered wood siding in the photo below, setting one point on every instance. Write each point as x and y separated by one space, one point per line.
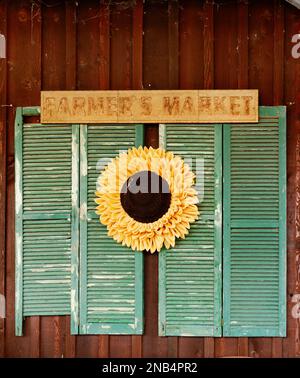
186 44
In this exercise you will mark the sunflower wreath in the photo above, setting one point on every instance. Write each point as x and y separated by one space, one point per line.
146 199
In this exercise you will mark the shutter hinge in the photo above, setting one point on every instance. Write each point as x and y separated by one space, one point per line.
222 322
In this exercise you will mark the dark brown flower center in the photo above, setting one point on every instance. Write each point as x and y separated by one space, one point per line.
145 196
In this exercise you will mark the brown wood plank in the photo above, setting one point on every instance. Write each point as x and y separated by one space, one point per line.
208 37
69 349
70 44
121 46
191 74
88 48
87 346
265 66
208 83
103 346
47 348
137 45
104 42
88 77
242 82
261 45
121 78
104 77
278 84
53 48
278 71
243 347
226 347
190 347
291 344
24 85
3 133
137 346
243 45
137 83
209 347
226 42
260 347
53 78
156 76
120 346
261 68
191 44
173 43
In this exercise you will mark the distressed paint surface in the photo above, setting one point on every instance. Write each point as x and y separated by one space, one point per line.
205 28
255 226
19 224
43 218
111 276
190 274
75 230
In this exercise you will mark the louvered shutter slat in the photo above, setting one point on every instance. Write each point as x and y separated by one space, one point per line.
111 275
190 273
254 226
43 219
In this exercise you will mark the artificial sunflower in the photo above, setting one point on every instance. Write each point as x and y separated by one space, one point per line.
146 199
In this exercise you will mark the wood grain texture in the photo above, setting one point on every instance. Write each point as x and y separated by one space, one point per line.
278 95
208 37
70 44
291 345
208 83
53 75
24 85
3 139
242 82
70 23
264 62
104 76
155 106
191 45
137 83
137 45
243 45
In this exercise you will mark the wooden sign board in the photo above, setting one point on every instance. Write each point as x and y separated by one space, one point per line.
155 106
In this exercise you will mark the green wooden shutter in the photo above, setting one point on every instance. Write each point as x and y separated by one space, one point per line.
190 273
254 226
43 171
111 276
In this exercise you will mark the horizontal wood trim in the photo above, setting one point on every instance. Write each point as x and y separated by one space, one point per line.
212 106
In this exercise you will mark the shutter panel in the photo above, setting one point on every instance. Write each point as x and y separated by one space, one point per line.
43 218
190 273
111 276
254 226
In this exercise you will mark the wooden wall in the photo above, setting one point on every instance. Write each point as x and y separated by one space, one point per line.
187 44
